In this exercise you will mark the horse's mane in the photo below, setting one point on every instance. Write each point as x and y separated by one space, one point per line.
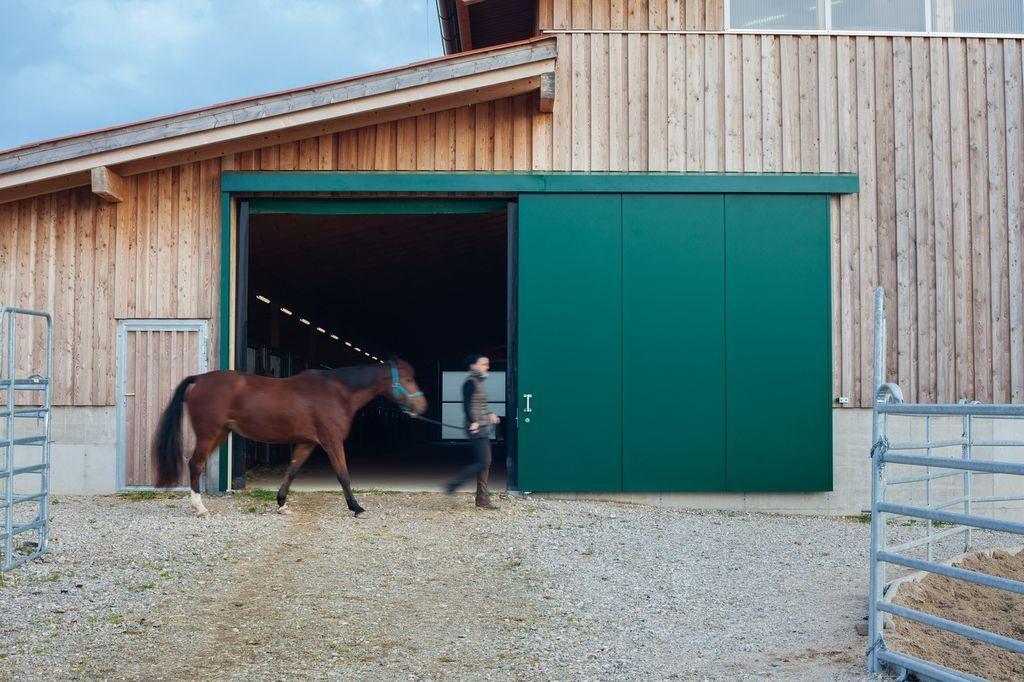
356 377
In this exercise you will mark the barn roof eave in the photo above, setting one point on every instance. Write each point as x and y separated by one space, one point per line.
423 87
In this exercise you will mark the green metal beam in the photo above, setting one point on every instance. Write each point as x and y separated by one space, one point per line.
376 206
226 246
246 182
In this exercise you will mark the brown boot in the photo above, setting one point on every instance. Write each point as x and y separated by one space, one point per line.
483 495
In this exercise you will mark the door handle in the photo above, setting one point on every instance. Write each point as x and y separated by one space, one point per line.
528 397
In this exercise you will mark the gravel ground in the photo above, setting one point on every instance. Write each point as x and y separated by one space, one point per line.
426 587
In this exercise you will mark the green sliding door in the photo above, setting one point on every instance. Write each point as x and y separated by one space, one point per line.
778 343
570 342
673 343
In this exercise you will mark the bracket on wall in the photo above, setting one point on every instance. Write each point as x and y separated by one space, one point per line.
108 185
547 92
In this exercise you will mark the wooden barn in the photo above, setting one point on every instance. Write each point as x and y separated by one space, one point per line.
663 219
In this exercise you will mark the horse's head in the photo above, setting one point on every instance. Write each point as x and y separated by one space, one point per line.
404 390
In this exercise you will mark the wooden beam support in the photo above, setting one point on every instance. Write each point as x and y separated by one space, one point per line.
547 92
465 34
108 185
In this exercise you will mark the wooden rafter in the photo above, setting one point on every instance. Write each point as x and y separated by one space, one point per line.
465 32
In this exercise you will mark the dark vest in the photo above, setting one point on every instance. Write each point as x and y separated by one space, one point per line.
478 410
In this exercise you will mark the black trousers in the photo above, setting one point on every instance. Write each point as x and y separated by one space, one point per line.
481 468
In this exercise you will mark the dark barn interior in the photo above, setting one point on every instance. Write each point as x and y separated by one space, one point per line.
356 289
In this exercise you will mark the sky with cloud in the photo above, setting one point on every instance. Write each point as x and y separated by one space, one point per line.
68 66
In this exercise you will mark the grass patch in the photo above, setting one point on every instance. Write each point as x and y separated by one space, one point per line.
373 491
261 494
145 586
148 496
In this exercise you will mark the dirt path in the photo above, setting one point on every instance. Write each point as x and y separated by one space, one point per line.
324 601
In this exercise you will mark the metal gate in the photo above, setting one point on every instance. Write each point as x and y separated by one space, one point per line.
945 448
25 440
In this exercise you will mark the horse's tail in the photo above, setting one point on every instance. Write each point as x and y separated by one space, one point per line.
167 443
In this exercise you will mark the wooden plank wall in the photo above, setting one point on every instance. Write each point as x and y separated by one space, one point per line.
932 126
491 136
90 262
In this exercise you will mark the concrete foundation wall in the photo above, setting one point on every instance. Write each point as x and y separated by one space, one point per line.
83 451
83 454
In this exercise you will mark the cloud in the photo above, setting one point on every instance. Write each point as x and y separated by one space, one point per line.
82 64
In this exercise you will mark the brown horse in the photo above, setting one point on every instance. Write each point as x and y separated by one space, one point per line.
313 408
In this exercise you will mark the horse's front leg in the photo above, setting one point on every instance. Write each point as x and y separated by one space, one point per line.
300 453
336 453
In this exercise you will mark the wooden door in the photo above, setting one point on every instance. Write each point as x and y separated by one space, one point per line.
155 356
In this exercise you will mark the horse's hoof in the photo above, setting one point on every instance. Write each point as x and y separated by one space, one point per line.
204 514
285 510
360 513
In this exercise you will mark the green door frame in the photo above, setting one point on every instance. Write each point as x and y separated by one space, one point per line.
294 190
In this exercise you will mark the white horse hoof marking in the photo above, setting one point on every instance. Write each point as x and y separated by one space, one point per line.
285 510
196 501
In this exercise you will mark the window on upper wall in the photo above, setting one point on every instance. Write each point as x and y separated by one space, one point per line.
978 16
997 17
769 15
910 16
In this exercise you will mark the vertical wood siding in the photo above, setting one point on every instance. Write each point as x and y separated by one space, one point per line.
89 263
491 136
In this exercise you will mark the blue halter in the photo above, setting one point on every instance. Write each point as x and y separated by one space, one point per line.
398 390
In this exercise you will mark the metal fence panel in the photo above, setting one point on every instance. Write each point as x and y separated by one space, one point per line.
889 403
24 460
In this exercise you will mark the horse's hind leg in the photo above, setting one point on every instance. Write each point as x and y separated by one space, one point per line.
336 453
300 453
204 446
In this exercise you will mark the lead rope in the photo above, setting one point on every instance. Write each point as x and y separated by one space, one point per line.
460 427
